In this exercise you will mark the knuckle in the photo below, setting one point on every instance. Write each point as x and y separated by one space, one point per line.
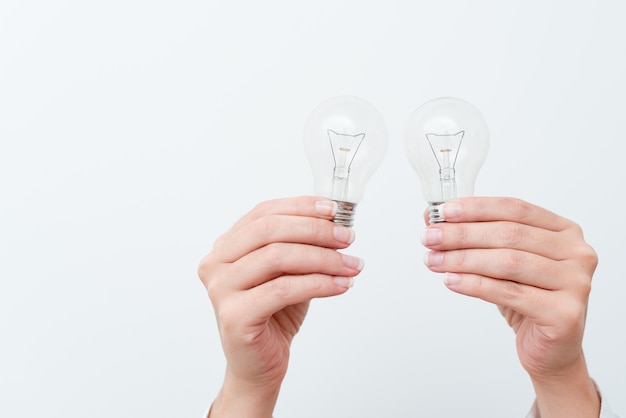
456 259
205 268
583 253
519 208
227 318
280 287
329 261
316 283
221 245
512 234
321 229
212 282
302 204
219 242
212 290
260 207
313 229
588 257
212 274
323 255
513 262
273 254
584 256
580 283
511 292
475 287
576 228
572 313
264 228
463 234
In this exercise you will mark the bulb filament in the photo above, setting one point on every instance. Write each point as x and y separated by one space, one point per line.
344 147
445 148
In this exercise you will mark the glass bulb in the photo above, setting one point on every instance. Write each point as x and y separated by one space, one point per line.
447 140
345 139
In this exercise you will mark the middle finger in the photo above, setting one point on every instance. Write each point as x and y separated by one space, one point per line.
505 264
278 259
501 234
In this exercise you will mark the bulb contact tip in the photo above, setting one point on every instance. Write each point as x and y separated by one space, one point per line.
345 213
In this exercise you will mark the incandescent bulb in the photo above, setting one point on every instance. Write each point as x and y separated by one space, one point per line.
345 139
446 143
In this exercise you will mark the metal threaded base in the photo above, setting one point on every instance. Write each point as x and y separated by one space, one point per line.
345 213
434 212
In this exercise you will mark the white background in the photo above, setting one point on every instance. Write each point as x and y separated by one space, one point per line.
134 132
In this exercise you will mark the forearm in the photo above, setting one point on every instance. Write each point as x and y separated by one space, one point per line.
571 395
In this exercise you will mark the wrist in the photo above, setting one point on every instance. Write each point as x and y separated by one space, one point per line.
570 393
239 398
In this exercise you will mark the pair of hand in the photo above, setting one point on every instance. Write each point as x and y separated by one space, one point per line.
533 264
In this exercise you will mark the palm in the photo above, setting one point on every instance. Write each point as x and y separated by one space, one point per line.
532 347
270 349
542 347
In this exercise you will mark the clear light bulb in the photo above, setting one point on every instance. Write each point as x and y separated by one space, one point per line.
345 139
447 140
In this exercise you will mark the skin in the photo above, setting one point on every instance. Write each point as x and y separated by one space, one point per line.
533 264
261 276
537 268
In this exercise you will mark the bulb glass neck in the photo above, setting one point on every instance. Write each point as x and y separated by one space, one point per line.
345 213
447 181
340 183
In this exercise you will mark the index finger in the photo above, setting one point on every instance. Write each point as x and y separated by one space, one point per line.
317 207
485 209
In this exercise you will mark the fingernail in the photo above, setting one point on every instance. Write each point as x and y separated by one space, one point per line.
433 258
451 210
451 279
343 234
431 236
326 207
346 282
353 262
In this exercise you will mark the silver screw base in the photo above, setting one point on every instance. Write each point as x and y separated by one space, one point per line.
345 213
434 212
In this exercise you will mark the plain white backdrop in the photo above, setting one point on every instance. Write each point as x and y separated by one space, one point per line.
134 132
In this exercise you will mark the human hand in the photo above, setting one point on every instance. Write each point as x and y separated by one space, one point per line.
260 277
537 268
